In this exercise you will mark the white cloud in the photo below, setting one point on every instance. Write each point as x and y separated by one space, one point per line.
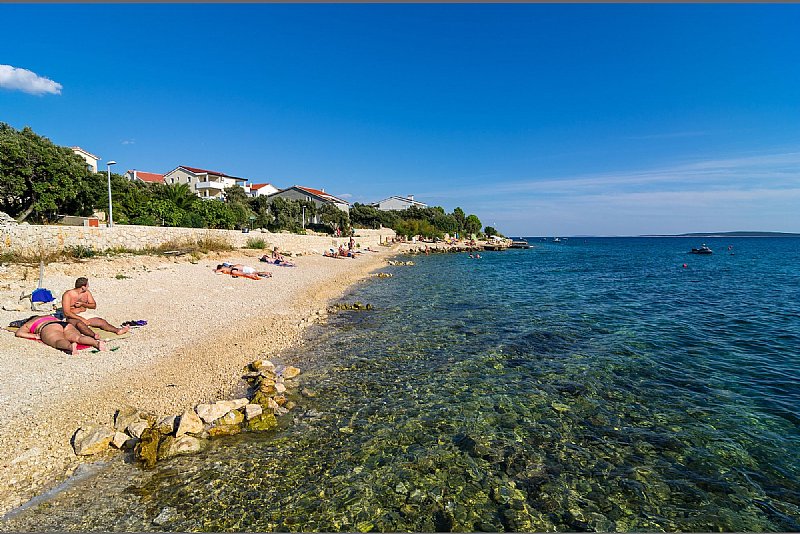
26 81
345 195
129 142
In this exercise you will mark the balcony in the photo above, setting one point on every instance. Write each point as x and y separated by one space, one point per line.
217 186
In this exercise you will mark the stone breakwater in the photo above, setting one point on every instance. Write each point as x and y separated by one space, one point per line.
33 239
152 439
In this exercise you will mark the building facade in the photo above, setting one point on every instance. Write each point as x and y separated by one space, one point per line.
141 176
91 159
398 203
205 183
260 190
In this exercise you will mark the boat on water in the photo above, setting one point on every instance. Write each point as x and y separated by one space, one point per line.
556 240
520 243
702 250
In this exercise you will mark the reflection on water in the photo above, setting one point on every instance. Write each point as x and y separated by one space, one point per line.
590 386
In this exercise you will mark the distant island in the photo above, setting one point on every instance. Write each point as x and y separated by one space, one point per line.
728 234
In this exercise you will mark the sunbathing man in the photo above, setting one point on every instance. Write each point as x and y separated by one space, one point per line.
239 269
76 303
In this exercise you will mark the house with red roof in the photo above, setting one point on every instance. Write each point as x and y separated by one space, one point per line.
141 176
318 196
260 190
203 182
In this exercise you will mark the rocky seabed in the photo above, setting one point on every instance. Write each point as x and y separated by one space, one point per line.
152 439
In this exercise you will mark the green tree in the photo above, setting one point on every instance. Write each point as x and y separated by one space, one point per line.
180 194
460 218
333 217
472 225
490 230
36 176
286 214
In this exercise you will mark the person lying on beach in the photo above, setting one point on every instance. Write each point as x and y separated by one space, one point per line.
331 253
58 334
239 269
75 305
279 262
346 253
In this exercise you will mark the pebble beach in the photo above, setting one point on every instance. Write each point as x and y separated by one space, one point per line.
202 329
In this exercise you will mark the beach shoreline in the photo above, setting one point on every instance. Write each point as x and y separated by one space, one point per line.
202 330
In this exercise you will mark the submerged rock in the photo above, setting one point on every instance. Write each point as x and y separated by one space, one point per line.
234 417
260 423
186 445
223 430
291 372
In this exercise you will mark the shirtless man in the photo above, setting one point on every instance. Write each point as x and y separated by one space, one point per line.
75 304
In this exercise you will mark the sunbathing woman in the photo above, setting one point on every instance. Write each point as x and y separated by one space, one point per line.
58 334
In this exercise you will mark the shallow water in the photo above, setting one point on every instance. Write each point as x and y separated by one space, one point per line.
591 385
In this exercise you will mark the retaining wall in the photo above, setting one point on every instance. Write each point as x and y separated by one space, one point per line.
32 239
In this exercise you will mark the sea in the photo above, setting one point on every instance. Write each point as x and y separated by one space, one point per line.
593 384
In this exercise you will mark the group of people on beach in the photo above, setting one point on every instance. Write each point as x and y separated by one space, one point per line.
237 270
341 252
72 324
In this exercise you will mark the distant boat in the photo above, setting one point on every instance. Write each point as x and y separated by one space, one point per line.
702 250
556 240
520 243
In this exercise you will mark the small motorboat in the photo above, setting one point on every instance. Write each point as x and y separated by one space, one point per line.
702 250
520 243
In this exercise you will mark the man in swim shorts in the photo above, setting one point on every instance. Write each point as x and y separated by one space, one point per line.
76 305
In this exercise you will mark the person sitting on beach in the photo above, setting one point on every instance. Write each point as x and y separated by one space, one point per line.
331 253
346 253
277 255
75 305
58 334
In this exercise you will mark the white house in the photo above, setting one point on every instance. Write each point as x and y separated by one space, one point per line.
91 159
398 203
260 190
141 176
205 183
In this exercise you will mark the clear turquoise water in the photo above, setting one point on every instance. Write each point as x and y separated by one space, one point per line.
591 385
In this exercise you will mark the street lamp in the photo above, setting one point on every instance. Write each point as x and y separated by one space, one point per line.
110 206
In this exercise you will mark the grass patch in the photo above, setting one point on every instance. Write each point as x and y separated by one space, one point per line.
121 276
256 242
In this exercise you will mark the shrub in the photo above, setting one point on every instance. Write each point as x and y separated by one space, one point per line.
78 252
256 242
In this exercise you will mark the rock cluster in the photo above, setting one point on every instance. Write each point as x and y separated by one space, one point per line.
397 262
152 439
343 306
384 275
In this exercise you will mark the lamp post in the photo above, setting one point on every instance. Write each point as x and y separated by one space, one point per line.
304 217
110 205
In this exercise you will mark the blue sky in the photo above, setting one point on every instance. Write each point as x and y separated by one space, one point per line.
540 119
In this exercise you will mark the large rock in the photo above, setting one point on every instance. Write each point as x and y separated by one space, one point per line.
136 428
262 365
92 440
280 388
124 417
146 450
189 423
234 417
119 439
168 424
253 410
211 412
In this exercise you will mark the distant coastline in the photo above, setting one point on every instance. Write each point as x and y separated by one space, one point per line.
728 234
691 234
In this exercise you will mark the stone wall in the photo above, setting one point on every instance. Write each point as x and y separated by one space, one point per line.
32 239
